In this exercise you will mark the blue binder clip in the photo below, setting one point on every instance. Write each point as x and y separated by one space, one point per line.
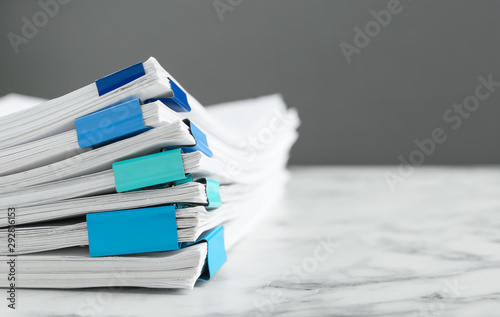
178 102
120 78
216 252
113 123
200 138
132 231
150 170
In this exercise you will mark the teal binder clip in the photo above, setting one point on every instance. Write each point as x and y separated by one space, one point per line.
216 252
178 102
149 170
113 123
212 189
132 231
120 78
188 179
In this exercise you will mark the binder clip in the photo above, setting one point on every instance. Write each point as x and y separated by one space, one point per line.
120 78
188 179
200 138
216 252
116 233
115 122
178 102
212 189
149 170
132 231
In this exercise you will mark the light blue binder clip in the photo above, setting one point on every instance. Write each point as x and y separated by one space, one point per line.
216 252
132 231
116 233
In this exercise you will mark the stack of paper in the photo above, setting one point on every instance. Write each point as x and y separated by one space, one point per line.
131 174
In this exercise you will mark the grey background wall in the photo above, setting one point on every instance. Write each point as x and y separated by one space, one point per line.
395 89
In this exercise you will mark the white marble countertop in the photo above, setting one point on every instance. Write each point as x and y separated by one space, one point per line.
341 244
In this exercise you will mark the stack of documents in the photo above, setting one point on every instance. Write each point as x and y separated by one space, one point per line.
132 176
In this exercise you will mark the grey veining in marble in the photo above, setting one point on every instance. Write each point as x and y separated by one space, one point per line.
340 244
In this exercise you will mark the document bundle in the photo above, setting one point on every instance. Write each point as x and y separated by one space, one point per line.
132 176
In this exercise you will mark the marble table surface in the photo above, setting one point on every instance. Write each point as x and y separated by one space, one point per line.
341 243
